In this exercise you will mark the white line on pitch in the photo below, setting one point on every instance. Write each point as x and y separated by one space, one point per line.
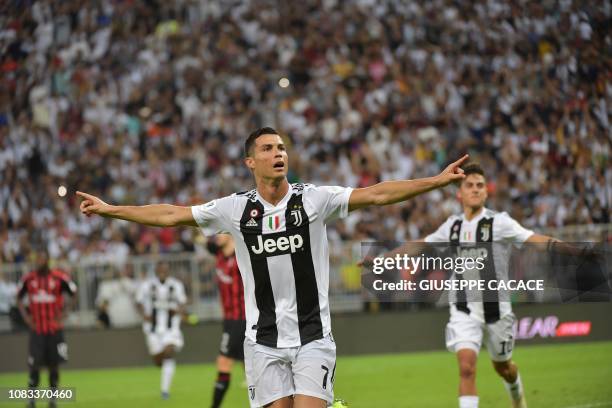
593 405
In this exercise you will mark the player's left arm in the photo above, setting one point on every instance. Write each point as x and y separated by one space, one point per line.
554 244
182 302
509 230
391 192
541 239
69 287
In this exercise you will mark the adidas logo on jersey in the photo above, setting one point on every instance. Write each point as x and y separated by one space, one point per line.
251 223
278 246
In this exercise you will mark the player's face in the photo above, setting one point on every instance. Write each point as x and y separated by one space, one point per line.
473 191
269 157
162 271
42 261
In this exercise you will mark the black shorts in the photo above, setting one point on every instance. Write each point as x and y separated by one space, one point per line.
47 349
232 339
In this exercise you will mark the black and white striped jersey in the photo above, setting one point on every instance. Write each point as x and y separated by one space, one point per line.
487 227
161 301
283 256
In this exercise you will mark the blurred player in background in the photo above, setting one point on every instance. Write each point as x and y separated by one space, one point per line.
283 255
161 302
46 311
234 318
469 321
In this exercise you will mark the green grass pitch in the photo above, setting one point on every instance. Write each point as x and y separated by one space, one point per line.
570 375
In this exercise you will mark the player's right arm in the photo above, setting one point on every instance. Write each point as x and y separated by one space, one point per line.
416 247
157 215
410 248
142 313
140 299
21 292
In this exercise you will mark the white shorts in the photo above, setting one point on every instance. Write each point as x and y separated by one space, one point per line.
157 342
463 331
274 373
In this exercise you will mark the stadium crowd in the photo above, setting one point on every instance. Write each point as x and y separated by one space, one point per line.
150 101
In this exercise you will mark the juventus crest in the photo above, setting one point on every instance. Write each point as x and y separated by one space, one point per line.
485 233
297 217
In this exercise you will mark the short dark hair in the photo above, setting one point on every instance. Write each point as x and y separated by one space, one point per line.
473 168
248 145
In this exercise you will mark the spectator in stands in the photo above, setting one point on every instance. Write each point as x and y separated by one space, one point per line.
142 102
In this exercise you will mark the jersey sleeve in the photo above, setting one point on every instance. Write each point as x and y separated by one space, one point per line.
214 217
103 293
509 230
331 201
22 288
68 285
142 292
442 234
181 297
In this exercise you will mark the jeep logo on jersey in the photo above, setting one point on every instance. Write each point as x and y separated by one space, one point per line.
472 253
275 244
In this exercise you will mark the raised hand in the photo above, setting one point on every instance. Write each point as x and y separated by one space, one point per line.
453 172
366 262
92 205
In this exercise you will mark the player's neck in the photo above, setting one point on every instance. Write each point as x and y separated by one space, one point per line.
228 249
472 212
43 271
272 190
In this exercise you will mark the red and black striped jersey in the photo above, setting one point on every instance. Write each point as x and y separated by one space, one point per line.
230 287
46 298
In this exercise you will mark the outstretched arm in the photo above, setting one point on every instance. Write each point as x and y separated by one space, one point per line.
410 248
157 215
391 192
541 239
554 244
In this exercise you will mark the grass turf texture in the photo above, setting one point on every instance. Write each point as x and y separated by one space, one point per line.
570 375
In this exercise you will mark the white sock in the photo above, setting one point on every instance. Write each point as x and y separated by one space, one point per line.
468 401
167 372
515 390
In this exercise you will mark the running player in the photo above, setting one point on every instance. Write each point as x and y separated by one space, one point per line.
282 251
45 289
161 302
470 321
234 318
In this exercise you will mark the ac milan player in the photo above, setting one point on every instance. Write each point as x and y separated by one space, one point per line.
45 289
234 319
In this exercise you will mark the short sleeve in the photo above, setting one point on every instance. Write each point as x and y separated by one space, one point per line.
68 285
442 234
142 292
104 293
181 297
214 217
22 288
508 229
331 201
